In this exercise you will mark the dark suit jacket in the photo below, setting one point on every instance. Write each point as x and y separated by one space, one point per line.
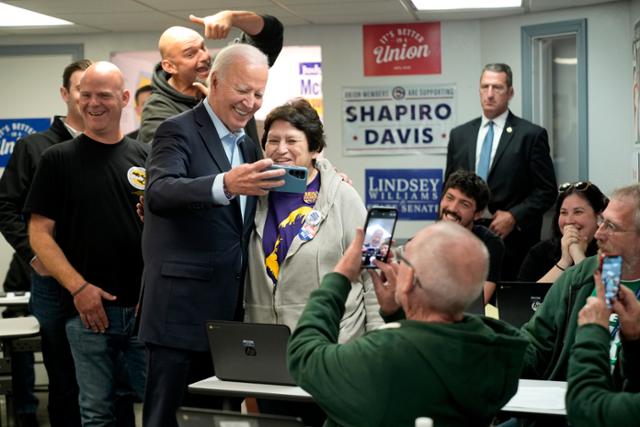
194 251
522 179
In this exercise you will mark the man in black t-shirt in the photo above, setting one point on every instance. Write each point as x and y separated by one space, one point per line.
45 302
86 190
464 199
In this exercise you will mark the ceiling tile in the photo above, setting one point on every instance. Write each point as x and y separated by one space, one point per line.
56 7
157 15
213 7
125 22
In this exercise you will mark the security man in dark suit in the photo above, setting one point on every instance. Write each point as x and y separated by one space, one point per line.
512 156
202 178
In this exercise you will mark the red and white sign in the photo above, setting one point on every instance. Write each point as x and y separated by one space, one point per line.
397 49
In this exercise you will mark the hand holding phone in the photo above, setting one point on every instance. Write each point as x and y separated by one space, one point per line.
378 234
295 179
611 268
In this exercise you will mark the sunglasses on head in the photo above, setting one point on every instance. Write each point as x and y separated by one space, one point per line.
579 186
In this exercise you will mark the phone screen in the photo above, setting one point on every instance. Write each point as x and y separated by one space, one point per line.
378 234
611 271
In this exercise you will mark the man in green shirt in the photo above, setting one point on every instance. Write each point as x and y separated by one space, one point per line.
438 362
552 329
592 399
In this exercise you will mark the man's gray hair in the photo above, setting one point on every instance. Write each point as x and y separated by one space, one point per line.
234 53
499 67
630 192
451 264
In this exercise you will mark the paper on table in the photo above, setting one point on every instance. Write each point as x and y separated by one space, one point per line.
539 398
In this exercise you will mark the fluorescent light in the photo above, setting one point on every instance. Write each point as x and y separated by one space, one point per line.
464 4
566 61
11 16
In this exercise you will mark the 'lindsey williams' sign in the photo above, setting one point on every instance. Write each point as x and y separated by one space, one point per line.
396 49
415 193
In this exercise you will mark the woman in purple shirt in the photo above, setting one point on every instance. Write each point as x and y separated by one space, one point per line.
299 237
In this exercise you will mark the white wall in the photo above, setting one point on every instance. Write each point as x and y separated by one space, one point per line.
609 86
634 12
344 67
466 46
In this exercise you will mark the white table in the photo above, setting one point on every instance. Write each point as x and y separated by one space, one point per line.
18 327
12 299
218 387
10 330
538 397
532 397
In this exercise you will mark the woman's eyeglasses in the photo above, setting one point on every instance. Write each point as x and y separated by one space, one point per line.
579 186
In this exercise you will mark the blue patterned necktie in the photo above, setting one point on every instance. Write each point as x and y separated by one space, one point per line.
235 160
485 153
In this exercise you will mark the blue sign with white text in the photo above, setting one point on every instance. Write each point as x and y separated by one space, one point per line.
414 192
13 130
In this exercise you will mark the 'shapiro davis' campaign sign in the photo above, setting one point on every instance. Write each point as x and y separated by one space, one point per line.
397 119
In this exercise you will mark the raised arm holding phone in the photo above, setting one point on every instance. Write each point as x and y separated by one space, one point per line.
593 396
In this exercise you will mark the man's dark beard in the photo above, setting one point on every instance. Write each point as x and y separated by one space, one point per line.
448 212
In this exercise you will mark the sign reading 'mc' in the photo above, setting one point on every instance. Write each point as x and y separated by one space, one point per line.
397 49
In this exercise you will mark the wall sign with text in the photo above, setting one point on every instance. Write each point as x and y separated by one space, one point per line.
414 192
401 49
397 119
13 130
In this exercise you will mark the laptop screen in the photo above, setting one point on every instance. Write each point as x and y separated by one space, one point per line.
518 301
198 417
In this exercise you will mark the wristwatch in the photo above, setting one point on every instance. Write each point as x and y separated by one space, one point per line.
228 195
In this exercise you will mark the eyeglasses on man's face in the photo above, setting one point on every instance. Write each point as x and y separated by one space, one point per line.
609 227
401 258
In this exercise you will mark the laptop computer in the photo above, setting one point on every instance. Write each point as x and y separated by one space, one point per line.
517 301
197 417
249 352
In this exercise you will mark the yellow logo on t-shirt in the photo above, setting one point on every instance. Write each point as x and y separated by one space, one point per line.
137 177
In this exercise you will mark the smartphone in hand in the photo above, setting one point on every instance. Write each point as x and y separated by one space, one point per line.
378 233
611 269
295 179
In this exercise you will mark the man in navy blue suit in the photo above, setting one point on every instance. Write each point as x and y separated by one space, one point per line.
512 156
203 175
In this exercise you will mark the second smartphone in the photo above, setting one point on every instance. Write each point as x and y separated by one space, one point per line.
378 234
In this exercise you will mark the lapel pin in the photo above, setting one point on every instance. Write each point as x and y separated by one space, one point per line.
509 129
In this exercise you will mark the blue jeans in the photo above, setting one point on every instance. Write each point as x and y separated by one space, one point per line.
100 358
47 305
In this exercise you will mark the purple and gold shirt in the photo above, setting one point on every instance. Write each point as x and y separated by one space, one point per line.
286 215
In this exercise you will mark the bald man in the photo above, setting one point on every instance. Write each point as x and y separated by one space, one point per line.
85 231
186 60
456 368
